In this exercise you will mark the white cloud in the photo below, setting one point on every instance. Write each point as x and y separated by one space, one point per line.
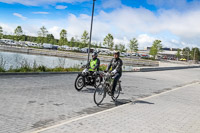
175 29
40 12
55 30
20 16
7 29
61 7
145 40
40 2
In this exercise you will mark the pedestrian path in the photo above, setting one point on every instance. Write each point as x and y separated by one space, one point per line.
174 111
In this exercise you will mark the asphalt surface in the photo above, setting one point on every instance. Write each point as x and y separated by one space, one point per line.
32 102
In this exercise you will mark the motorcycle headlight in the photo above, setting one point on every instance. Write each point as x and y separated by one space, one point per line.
84 71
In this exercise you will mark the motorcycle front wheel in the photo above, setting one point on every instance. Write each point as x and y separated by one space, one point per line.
79 82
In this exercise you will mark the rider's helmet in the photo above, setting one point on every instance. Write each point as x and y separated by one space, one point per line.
94 55
117 53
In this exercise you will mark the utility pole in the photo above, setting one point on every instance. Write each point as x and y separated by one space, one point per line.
91 31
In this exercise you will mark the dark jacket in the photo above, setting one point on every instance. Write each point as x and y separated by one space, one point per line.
116 65
97 64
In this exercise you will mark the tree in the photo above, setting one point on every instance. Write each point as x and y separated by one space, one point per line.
186 53
42 34
195 54
156 47
50 39
18 32
116 47
133 45
121 47
108 40
72 42
63 37
1 32
178 54
85 39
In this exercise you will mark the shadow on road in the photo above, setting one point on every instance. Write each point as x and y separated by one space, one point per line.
88 90
141 102
122 101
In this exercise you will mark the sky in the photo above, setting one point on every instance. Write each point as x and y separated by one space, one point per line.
175 22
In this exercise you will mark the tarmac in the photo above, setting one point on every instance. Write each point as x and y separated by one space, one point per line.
173 111
171 104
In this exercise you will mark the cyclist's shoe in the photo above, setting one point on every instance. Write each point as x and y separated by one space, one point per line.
112 93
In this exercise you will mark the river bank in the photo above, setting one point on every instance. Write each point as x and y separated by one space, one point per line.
76 55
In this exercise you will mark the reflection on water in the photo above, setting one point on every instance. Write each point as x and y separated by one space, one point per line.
15 60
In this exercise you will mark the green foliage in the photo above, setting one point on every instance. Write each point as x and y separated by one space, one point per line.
63 37
186 53
2 64
116 47
108 41
156 47
85 39
103 67
122 47
178 54
42 34
18 32
195 54
49 39
133 45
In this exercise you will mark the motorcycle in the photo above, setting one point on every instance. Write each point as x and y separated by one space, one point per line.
87 78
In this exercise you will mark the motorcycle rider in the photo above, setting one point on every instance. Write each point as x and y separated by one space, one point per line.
93 66
116 64
94 63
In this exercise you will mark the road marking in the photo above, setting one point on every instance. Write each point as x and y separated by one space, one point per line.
121 106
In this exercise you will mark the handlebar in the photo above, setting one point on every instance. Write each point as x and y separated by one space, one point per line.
85 66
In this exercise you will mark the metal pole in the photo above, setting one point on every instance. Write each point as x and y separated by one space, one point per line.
91 31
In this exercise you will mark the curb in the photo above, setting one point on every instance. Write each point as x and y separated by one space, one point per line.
38 73
134 70
163 68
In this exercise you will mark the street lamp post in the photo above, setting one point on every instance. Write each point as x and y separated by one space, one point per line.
91 31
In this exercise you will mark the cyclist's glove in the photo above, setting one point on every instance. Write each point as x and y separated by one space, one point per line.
114 71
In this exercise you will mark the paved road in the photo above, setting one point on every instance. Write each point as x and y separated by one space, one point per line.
175 111
31 102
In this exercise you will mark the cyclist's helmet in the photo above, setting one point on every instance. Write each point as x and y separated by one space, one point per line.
117 53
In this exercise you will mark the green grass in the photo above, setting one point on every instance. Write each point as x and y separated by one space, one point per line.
41 69
28 68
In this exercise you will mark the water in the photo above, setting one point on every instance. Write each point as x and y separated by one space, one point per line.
15 60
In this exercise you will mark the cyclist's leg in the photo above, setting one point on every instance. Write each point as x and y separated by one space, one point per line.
116 78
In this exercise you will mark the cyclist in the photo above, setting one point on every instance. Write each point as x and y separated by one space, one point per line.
116 64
